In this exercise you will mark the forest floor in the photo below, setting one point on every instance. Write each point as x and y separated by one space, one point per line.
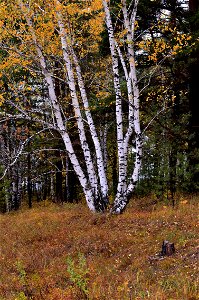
66 252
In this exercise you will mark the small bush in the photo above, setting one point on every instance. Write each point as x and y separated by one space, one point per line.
78 273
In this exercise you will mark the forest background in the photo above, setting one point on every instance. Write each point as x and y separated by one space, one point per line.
98 101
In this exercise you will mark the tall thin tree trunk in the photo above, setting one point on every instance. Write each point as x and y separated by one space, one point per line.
66 190
52 187
124 189
122 161
29 182
59 180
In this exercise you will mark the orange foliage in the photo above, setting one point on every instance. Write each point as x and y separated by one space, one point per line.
44 24
159 48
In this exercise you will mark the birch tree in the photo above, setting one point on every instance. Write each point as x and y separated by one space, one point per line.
125 185
30 23
50 40
30 33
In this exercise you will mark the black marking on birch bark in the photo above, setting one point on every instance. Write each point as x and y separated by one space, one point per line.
101 203
120 206
133 182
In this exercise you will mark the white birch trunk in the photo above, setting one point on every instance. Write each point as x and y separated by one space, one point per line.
88 191
133 98
103 141
130 128
71 83
130 97
122 162
131 57
69 148
98 149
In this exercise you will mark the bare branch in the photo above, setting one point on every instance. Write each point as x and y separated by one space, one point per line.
20 151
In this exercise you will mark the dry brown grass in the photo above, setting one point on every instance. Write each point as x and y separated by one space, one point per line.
119 252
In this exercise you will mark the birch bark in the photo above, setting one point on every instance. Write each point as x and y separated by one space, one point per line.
94 179
101 190
71 83
130 28
101 163
121 188
129 68
88 191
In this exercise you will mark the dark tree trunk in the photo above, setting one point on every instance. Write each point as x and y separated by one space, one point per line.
45 180
29 183
16 188
45 187
59 180
172 175
175 143
66 189
193 5
72 184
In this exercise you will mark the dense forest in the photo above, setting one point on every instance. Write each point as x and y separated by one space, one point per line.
98 101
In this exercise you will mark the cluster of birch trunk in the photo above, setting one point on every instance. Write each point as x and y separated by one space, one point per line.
58 100
93 178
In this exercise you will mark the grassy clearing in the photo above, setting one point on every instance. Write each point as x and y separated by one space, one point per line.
66 252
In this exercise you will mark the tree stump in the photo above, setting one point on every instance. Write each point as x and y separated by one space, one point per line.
167 248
